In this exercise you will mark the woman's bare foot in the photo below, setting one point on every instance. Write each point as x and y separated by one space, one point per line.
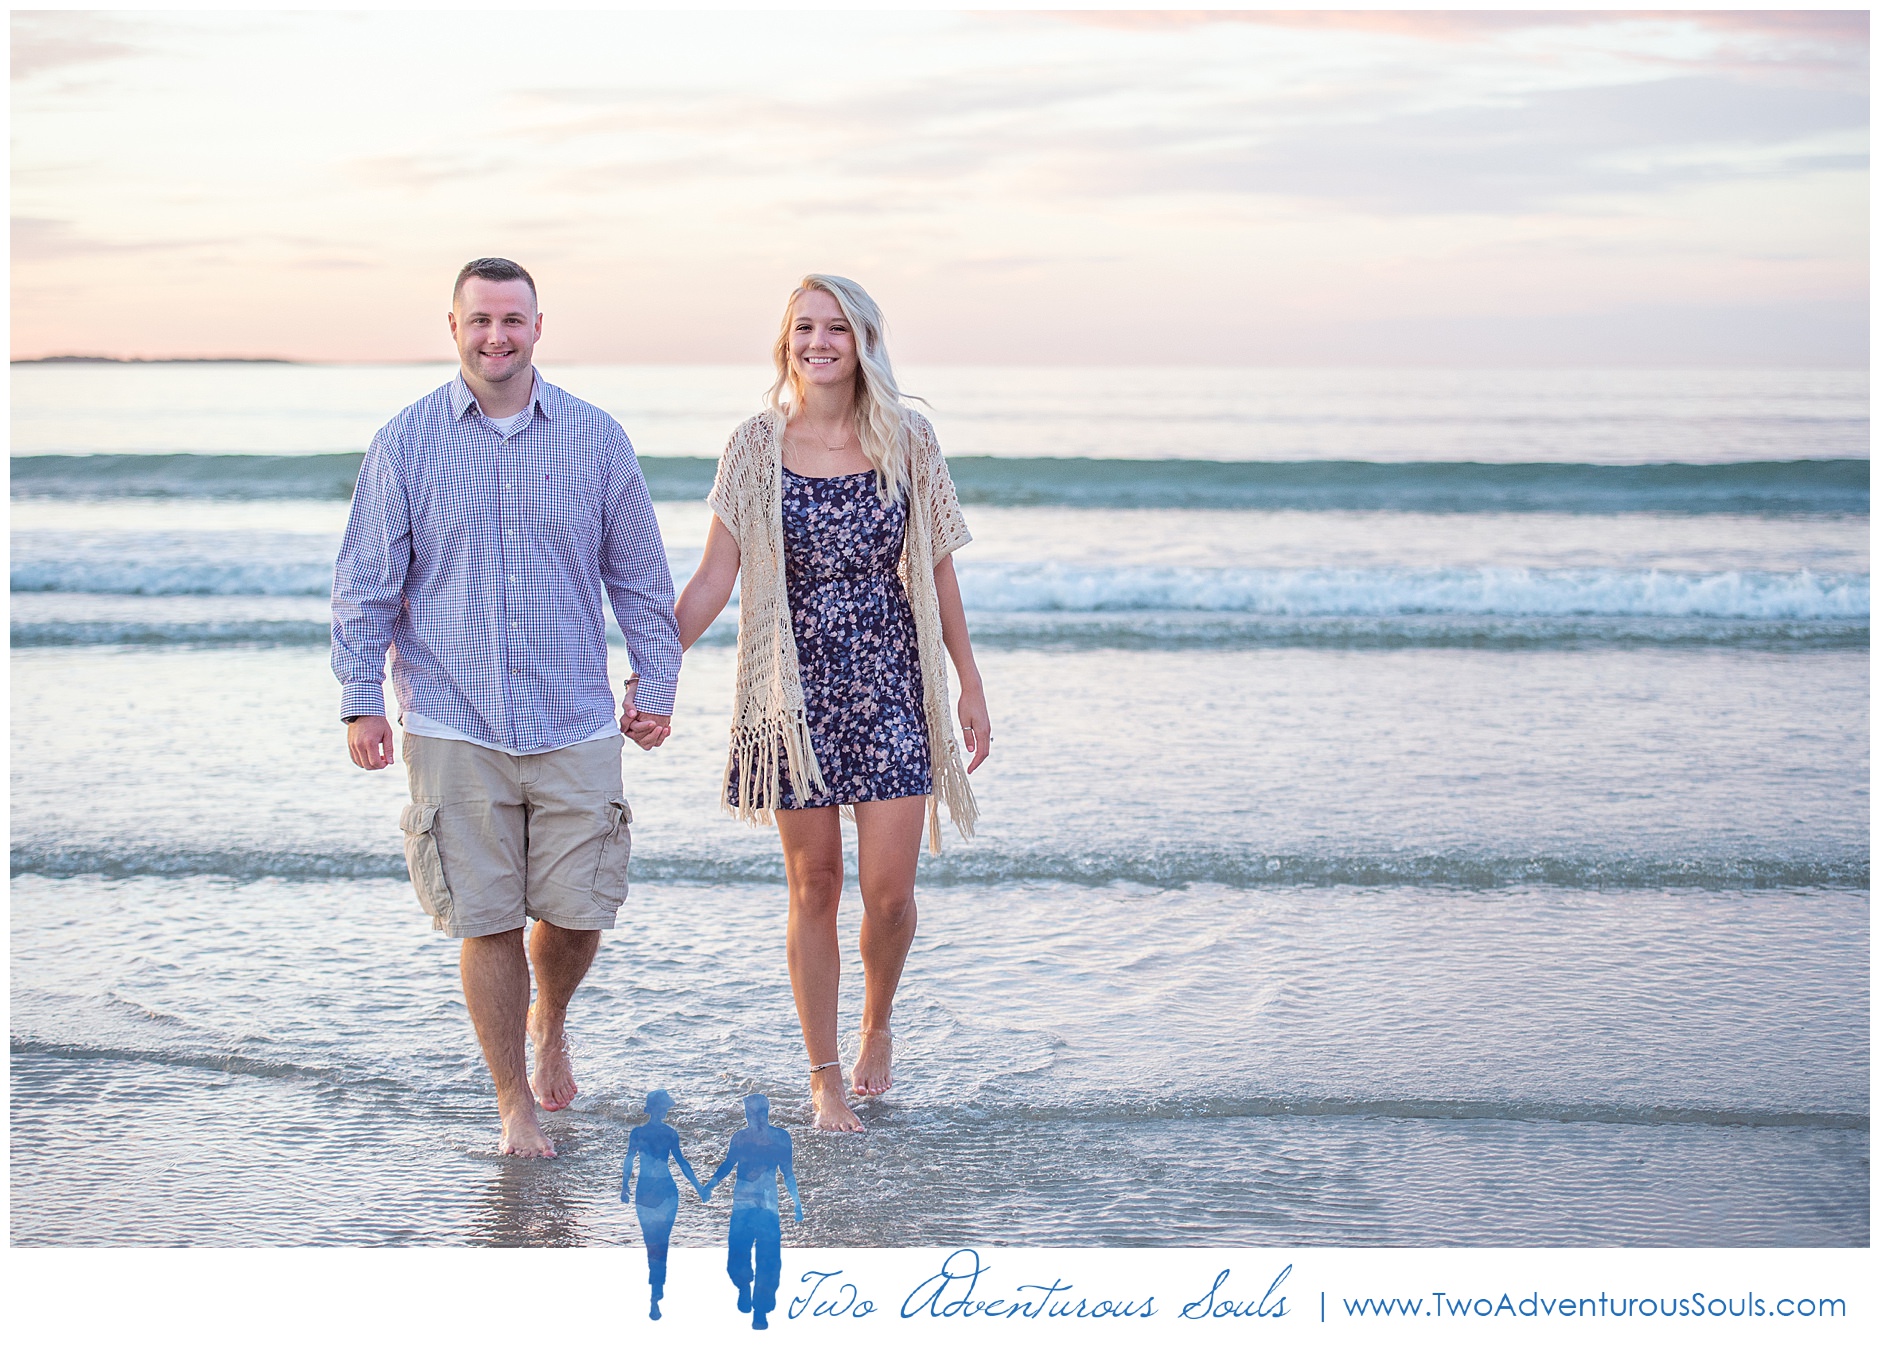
874 1067
831 1105
522 1135
553 1080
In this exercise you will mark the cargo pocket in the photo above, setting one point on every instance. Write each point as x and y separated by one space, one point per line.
427 867
610 874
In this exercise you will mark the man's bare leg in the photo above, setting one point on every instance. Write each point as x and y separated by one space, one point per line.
496 990
887 852
561 958
812 862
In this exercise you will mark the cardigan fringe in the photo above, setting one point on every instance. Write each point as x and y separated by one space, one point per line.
771 729
760 749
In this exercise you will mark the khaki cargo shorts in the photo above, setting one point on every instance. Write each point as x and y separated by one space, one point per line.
492 839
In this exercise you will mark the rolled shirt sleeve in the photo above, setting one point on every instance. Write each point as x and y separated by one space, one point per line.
639 580
369 579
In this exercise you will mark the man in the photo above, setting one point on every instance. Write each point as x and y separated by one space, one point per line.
488 522
759 1152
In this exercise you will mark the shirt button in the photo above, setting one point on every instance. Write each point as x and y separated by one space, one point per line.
509 485
512 579
509 532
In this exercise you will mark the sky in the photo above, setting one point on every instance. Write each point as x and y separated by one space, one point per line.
1117 188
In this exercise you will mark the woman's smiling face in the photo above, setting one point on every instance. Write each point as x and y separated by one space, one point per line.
822 343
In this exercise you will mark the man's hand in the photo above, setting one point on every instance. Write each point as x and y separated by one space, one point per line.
369 741
650 729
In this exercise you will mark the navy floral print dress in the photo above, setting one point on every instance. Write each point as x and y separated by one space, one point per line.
855 642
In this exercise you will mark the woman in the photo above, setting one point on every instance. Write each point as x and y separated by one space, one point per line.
657 1205
835 514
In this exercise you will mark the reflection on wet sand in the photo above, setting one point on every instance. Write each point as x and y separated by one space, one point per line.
527 1202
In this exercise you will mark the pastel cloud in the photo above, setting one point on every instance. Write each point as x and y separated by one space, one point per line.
43 42
1831 26
1211 187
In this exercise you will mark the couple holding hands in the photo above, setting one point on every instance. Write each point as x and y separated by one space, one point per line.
492 523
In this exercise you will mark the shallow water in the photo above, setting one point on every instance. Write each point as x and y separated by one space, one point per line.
1246 1066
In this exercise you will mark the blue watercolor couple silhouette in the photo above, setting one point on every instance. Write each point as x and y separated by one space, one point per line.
759 1152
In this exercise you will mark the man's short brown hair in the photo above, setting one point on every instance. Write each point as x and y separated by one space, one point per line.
496 270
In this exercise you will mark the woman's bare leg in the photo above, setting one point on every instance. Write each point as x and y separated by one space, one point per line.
887 853
812 861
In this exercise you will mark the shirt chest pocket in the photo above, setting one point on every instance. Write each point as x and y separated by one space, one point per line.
563 513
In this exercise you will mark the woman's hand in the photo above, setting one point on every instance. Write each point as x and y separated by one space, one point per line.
629 710
648 730
976 726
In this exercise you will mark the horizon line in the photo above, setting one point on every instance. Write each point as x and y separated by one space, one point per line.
109 360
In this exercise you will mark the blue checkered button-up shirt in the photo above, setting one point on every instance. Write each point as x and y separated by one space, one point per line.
482 562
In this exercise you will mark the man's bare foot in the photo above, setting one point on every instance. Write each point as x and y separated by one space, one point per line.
832 1111
553 1080
874 1067
522 1135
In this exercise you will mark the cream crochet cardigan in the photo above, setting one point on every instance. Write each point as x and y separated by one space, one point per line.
769 726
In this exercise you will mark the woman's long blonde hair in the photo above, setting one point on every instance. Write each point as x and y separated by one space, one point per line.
881 413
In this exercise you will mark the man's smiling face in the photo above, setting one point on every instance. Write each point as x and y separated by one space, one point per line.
496 326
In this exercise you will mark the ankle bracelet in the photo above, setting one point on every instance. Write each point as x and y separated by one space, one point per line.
824 1066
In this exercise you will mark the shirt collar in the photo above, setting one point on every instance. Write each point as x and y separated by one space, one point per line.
463 400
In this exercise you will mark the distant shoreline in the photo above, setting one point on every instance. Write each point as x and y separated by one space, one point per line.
100 358
446 360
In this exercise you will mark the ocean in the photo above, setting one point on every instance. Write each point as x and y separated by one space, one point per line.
1430 808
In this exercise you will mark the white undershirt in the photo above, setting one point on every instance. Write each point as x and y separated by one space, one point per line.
417 724
509 424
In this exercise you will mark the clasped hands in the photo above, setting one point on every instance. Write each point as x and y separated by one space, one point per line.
705 1195
648 730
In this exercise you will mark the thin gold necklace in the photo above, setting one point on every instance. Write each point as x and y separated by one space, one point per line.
847 434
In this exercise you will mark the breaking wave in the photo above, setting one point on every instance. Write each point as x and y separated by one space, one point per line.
1814 486
1174 866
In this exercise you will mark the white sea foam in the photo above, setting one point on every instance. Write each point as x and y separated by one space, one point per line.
1034 588
291 565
